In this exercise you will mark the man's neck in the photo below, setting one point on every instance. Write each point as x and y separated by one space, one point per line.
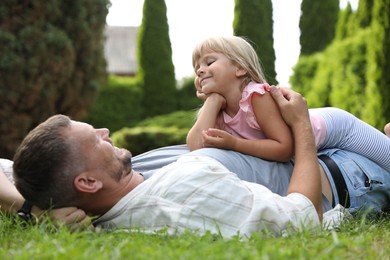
102 201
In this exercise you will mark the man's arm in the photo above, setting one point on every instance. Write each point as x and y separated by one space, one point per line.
11 201
306 178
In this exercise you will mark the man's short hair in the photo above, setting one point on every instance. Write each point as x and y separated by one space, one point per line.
43 164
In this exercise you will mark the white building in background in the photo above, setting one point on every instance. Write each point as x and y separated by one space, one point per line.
120 50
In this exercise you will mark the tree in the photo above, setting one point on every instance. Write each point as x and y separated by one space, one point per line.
253 20
342 22
364 13
352 72
377 108
156 71
318 24
51 61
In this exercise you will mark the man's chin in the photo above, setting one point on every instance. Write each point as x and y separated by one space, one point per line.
124 155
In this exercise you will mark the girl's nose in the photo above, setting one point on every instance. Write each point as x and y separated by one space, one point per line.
200 71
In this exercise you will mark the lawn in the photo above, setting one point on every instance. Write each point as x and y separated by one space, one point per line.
355 239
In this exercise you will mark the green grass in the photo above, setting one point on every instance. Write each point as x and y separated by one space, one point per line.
356 239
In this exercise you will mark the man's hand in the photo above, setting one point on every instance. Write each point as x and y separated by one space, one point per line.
73 218
306 177
292 105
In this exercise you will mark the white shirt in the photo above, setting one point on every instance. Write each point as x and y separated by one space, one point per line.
200 194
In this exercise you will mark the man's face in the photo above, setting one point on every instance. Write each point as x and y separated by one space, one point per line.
98 152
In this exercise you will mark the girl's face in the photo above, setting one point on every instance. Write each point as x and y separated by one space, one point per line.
215 73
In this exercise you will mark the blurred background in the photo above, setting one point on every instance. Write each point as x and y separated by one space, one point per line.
126 64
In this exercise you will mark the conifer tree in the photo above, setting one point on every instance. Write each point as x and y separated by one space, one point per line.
377 108
342 22
253 20
51 62
155 67
317 24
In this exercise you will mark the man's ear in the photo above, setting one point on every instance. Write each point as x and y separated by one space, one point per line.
87 184
240 72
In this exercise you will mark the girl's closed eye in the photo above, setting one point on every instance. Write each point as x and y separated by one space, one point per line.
210 61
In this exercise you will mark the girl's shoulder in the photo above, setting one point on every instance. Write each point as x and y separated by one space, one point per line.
254 87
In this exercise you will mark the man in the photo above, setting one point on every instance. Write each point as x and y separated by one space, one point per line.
88 172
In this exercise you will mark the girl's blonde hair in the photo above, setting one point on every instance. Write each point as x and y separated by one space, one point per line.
236 49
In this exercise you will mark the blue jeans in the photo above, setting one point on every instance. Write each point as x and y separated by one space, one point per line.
368 184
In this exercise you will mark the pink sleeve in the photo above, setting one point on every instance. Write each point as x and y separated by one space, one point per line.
246 101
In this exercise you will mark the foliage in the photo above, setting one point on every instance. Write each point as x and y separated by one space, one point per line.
377 92
304 73
318 24
345 16
364 13
351 73
347 80
51 62
329 81
186 95
357 239
248 13
141 139
180 119
154 53
118 104
155 132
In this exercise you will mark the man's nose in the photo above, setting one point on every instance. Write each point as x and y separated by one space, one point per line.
103 132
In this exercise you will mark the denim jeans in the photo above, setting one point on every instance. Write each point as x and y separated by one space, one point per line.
368 184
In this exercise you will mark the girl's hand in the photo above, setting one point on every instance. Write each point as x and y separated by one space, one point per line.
202 96
217 100
217 138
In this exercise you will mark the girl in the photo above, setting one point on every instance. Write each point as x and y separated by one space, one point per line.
239 114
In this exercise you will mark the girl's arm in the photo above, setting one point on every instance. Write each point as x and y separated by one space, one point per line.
11 201
10 198
278 145
207 117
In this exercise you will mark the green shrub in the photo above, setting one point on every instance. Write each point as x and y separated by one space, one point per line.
335 77
117 105
51 62
155 132
186 95
154 60
142 139
180 119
